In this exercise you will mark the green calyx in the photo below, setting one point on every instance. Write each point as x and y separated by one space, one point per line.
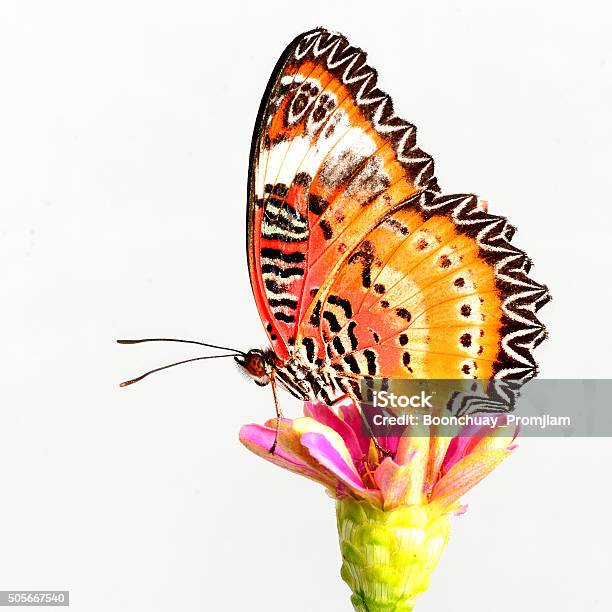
388 556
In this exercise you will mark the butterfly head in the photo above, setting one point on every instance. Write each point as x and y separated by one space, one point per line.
257 364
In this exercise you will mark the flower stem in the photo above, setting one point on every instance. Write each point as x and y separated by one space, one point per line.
388 556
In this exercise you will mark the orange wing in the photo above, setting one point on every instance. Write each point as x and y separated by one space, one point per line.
329 159
434 291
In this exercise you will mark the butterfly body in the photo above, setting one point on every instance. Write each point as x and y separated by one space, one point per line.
304 380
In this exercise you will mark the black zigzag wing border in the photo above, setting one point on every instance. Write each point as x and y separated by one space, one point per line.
522 297
349 65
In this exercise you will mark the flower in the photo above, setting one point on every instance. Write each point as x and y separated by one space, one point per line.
392 507
328 445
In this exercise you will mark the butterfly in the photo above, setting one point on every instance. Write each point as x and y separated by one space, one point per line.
360 267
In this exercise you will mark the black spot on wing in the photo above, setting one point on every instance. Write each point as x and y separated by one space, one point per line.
370 356
280 190
303 179
289 303
397 226
294 257
331 318
338 346
351 334
406 361
444 261
317 205
365 256
309 345
336 300
273 287
281 272
403 313
351 362
315 317
326 228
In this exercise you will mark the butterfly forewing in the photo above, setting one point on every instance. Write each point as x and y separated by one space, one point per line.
329 158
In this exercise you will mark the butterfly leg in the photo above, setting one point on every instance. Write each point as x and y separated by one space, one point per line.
279 414
350 393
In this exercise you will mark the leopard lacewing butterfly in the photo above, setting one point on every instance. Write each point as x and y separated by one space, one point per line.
359 265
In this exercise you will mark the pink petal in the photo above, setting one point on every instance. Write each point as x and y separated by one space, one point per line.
352 417
259 440
351 414
324 414
327 454
474 438
458 448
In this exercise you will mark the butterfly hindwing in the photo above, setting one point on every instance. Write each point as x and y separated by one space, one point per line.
434 291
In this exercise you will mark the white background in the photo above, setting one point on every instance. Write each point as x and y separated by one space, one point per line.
124 137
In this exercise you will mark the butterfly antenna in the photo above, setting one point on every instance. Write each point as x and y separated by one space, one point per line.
125 383
215 346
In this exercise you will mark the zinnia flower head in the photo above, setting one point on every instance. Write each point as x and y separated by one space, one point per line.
329 446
